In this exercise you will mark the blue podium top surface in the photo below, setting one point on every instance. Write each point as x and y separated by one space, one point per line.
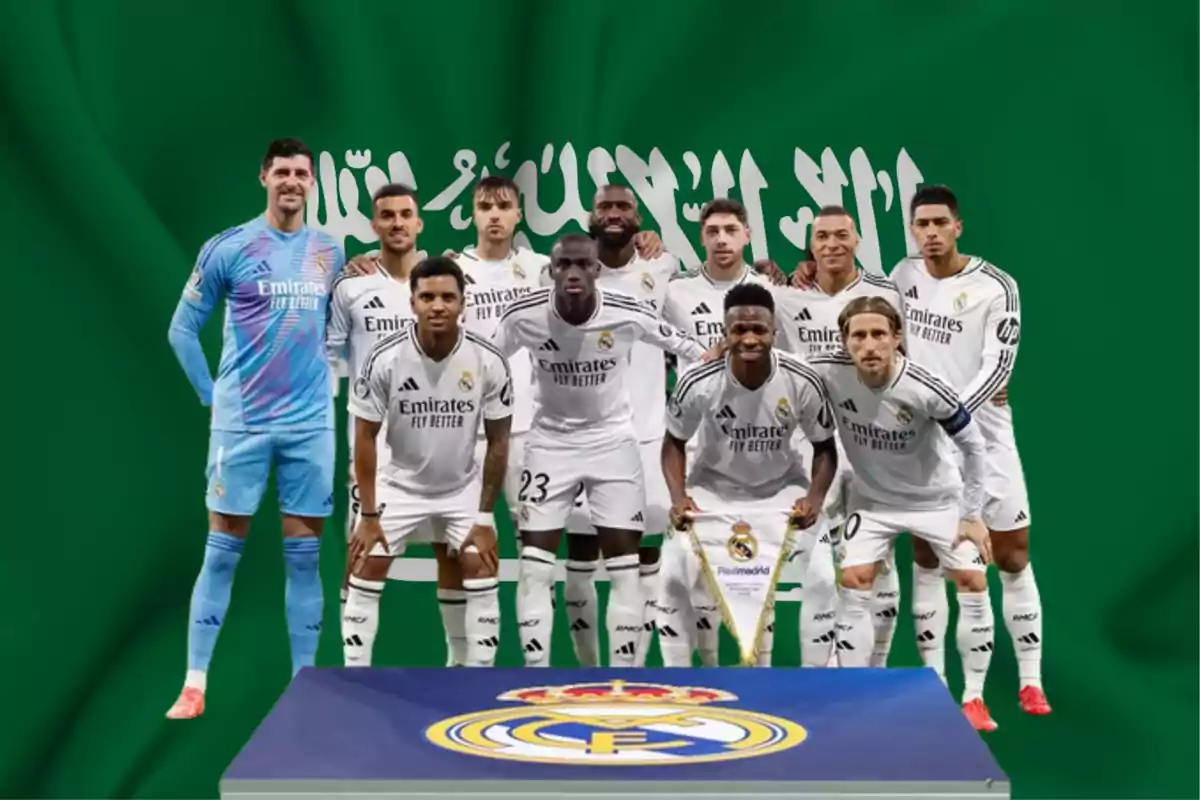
616 725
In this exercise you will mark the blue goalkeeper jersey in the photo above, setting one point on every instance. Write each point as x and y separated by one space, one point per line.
273 374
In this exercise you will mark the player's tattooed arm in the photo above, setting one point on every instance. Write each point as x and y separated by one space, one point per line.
675 468
495 461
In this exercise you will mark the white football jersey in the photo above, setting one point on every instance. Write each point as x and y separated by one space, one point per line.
645 281
896 438
432 410
966 328
579 370
807 319
491 286
696 304
363 310
744 449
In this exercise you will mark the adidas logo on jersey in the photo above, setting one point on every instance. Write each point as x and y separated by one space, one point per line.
726 419
550 346
1021 517
912 293
849 406
702 309
628 649
374 302
638 517
726 413
467 279
262 268
804 315
410 385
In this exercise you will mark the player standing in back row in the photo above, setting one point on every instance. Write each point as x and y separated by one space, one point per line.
964 320
582 433
272 403
889 411
615 222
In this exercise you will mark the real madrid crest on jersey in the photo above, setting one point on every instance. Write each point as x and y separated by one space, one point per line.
466 381
648 282
742 545
783 410
960 302
518 271
605 342
903 415
362 390
616 723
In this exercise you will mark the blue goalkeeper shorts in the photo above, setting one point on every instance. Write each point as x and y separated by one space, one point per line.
239 465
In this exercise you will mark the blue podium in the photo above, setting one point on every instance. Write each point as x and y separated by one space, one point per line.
610 733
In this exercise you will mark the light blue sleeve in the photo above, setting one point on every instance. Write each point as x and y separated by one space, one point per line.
204 290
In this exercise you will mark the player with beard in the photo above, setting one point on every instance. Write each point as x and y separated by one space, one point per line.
808 317
893 417
614 222
581 337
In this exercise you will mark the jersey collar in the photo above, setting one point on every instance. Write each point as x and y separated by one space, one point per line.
739 279
857 280
737 383
416 340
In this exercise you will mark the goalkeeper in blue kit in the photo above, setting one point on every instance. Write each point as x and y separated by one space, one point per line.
272 403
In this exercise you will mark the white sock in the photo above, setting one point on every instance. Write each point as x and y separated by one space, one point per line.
482 621
975 633
453 605
648 578
196 679
1022 607
708 630
535 607
931 612
583 612
818 604
855 634
767 642
360 622
623 617
673 609
885 608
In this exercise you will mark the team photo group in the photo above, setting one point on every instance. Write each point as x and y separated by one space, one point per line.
687 432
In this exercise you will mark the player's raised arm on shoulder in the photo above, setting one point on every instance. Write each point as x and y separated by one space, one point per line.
205 288
1001 332
497 424
685 411
667 337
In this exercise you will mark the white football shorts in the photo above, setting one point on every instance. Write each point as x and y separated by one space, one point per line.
610 474
403 514
868 535
1006 500
658 499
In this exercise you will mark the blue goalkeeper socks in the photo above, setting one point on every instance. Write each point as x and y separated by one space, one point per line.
305 599
210 597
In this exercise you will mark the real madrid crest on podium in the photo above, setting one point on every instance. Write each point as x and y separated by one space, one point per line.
616 723
741 556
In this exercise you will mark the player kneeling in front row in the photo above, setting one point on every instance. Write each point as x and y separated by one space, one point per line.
746 408
888 411
431 383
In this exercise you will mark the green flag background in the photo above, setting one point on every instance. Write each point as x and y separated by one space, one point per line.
131 131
